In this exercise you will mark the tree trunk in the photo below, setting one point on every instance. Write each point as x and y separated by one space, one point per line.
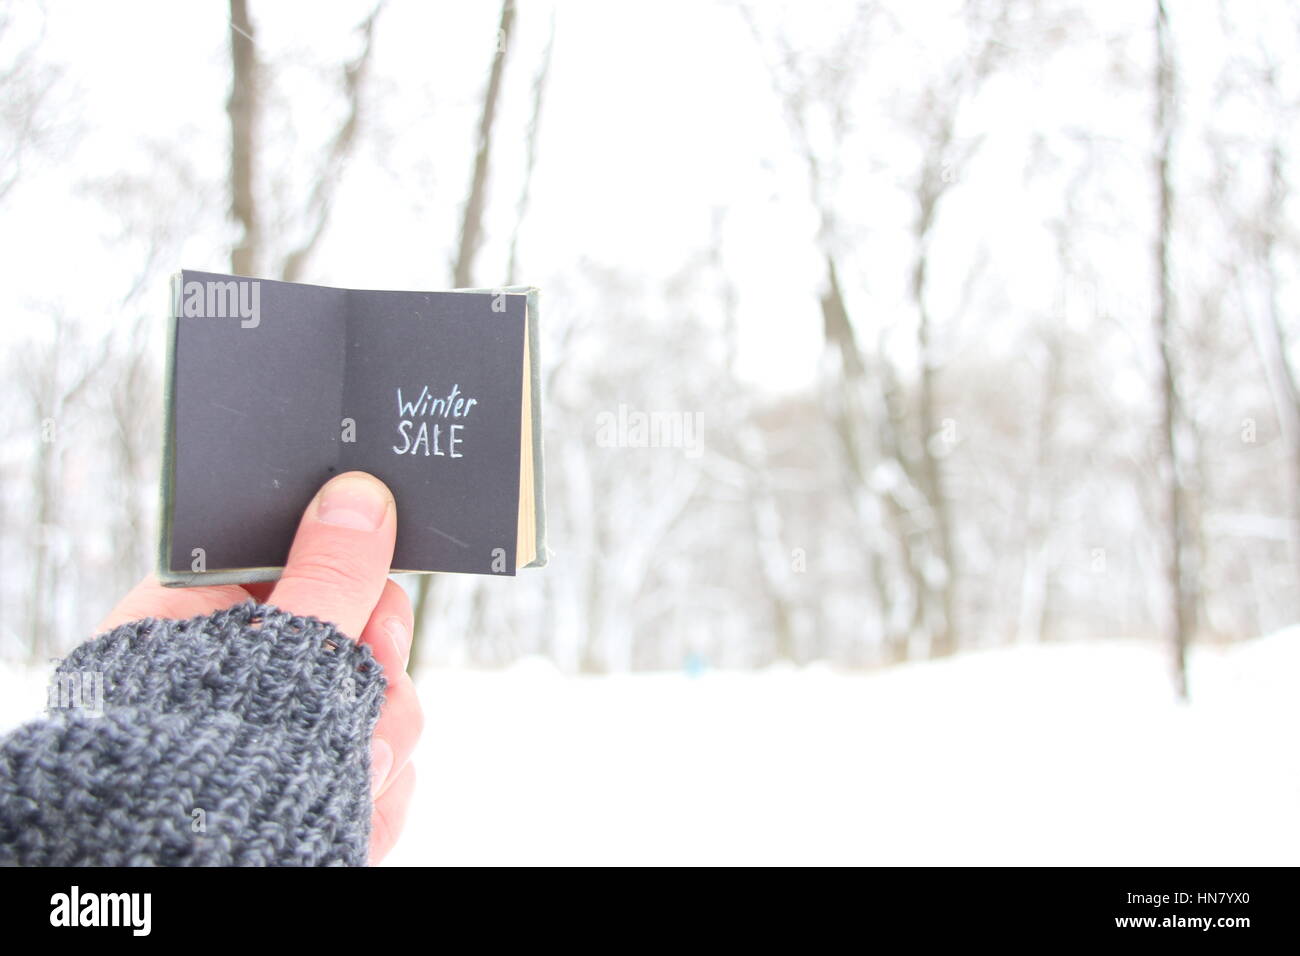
242 108
320 204
471 230
530 161
1274 349
940 602
1179 571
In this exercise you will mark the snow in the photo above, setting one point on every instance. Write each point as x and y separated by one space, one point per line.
1033 755
1043 754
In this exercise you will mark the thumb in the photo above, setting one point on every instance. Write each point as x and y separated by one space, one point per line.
341 554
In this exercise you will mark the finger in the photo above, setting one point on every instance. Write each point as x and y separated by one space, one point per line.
390 814
388 632
340 557
150 599
401 721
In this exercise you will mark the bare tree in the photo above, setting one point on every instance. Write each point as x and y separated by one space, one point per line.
471 227
858 384
754 476
133 393
890 439
320 203
53 375
25 109
530 160
1267 235
1272 339
242 108
245 109
1179 571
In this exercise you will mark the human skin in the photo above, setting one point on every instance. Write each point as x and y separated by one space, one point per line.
337 571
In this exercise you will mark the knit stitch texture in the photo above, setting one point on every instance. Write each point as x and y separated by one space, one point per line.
241 738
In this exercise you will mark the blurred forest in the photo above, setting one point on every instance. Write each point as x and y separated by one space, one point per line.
1047 260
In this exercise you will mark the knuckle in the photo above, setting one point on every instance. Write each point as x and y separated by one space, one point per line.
332 567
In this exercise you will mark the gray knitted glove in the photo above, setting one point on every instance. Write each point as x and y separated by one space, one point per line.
241 738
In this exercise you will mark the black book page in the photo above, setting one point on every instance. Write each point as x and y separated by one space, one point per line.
450 451
257 386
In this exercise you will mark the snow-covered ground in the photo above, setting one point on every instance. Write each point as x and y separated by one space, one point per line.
1072 754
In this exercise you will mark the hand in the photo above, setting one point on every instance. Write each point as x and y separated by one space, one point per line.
337 571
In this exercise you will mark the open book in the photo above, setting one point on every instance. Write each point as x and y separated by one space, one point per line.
274 387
